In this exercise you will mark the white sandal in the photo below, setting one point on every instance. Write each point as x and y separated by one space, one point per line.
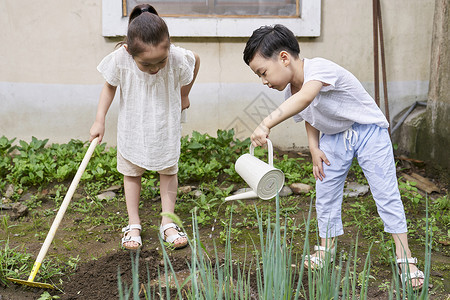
405 276
317 262
127 238
172 238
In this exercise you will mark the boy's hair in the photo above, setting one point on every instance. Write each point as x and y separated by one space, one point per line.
145 27
269 41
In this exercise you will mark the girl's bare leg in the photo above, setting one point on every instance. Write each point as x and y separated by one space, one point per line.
168 190
402 251
132 186
327 243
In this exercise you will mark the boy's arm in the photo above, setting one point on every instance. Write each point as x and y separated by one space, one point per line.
293 105
187 88
318 157
106 98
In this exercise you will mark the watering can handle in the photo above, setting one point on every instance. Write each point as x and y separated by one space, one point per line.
269 149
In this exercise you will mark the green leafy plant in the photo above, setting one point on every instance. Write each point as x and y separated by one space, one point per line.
441 211
14 263
5 158
409 191
357 172
295 169
205 207
47 296
203 157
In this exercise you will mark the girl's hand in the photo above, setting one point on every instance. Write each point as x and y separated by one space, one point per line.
318 158
185 103
97 130
259 136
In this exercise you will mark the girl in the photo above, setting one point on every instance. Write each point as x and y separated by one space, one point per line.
332 101
155 78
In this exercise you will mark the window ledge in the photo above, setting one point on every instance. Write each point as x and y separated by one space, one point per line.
113 24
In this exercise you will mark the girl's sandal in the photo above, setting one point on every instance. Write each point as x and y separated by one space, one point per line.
318 261
172 238
128 238
405 276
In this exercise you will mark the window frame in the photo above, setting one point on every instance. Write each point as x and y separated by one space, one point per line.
308 25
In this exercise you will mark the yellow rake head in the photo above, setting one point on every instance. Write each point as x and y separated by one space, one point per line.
32 283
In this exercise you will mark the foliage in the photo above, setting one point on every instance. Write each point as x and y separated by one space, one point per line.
409 191
5 159
203 157
14 263
47 296
357 172
441 211
34 164
295 170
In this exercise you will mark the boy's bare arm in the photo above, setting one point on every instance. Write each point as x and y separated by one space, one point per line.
293 105
313 136
106 98
317 155
187 88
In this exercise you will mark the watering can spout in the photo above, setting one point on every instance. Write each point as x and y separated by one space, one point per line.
242 196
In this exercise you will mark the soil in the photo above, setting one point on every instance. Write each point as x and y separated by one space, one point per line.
102 259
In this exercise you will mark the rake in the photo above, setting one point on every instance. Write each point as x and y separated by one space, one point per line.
56 222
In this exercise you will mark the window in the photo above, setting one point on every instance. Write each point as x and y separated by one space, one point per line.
221 8
218 18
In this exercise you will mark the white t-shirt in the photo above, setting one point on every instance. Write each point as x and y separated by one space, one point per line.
340 104
149 129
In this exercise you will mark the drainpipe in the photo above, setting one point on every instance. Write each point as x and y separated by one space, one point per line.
403 118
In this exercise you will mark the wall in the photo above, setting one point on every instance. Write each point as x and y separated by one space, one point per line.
433 139
49 85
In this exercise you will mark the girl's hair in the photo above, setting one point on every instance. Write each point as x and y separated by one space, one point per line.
145 27
269 41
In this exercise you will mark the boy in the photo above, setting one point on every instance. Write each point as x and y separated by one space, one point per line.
332 101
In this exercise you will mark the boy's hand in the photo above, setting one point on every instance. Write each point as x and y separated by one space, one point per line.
260 135
318 158
97 130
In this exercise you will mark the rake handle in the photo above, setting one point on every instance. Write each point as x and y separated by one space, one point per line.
62 210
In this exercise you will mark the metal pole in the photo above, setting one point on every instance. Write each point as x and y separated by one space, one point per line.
375 51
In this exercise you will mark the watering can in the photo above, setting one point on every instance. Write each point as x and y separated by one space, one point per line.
264 180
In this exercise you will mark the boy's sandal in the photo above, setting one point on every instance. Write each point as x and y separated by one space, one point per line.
405 276
128 238
172 238
318 261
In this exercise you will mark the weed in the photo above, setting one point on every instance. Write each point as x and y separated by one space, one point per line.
409 191
5 158
233 234
47 296
5 225
14 263
295 170
357 172
203 157
441 210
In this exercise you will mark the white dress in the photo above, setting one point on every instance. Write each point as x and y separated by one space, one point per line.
149 129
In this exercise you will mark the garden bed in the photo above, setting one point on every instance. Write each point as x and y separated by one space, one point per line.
85 257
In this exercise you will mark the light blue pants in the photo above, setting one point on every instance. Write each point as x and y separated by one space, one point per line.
372 147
